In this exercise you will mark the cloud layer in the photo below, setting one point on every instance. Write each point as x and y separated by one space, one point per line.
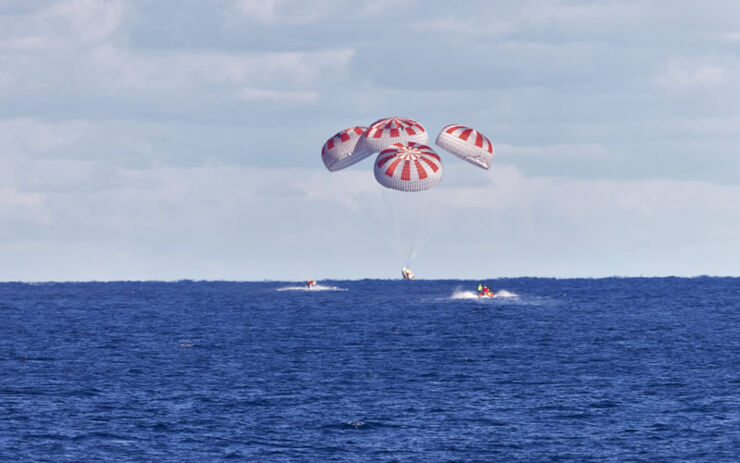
145 140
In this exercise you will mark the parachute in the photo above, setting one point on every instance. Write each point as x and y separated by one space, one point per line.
467 144
385 132
341 150
406 163
408 167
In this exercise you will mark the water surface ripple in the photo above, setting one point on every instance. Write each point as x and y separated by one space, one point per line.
638 369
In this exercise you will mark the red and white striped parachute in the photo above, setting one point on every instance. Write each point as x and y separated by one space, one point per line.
408 167
342 150
467 144
384 132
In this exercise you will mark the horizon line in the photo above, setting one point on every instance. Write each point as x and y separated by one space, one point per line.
268 280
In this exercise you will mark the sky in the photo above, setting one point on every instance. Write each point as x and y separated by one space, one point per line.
146 140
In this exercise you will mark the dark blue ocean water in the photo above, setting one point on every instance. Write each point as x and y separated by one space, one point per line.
642 369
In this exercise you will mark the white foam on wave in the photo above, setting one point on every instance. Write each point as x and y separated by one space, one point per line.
505 293
458 294
313 288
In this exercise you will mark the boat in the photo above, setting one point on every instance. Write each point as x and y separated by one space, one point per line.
310 284
484 291
407 274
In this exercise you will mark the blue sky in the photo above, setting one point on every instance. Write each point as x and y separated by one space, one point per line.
166 140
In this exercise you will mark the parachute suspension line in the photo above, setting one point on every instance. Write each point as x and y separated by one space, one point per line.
425 226
396 241
418 225
397 205
413 218
401 233
409 167
408 214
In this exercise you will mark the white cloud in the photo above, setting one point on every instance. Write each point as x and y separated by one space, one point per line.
542 22
190 71
252 94
729 36
568 227
301 12
240 222
85 21
118 73
593 17
562 152
71 49
70 24
704 126
29 136
23 44
274 11
687 74
461 29
15 205
130 135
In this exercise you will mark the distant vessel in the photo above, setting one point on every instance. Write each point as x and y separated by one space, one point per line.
484 291
407 274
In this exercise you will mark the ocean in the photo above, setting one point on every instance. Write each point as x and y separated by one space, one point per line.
602 370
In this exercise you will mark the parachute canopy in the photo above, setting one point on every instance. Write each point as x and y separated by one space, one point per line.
408 167
467 144
341 150
385 132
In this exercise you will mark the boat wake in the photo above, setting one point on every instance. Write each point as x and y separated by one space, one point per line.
505 293
311 289
502 293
